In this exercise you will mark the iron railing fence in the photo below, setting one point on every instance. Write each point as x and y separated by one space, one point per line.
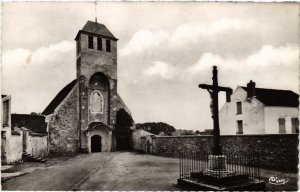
222 166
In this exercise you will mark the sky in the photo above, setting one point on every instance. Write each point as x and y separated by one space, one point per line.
165 50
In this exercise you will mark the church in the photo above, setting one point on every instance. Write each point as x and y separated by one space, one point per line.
88 115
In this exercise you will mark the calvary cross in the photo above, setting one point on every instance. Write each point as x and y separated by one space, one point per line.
213 91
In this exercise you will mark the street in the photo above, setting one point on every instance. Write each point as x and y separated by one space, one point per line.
116 171
102 171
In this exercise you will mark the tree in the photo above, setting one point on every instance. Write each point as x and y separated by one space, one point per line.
156 128
124 120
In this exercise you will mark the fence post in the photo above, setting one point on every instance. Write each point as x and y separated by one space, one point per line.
179 168
258 166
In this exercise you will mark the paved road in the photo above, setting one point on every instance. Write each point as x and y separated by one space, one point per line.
102 171
116 171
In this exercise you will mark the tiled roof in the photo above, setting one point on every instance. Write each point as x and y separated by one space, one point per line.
59 98
96 28
274 97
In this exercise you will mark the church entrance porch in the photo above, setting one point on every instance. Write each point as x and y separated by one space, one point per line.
98 137
95 143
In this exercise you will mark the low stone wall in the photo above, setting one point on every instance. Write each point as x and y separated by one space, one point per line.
63 126
276 151
14 153
36 144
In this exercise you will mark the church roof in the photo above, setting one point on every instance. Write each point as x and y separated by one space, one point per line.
96 28
59 98
275 97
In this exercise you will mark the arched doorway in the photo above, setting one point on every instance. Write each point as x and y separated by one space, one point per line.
95 143
123 133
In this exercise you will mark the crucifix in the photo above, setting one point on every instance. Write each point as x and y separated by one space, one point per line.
214 106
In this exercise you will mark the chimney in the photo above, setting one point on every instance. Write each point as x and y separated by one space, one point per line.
250 89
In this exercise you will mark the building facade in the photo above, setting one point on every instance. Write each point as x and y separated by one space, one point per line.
35 135
88 115
260 111
11 137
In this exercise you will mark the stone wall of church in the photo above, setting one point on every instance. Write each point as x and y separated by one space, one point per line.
93 60
276 151
63 126
113 102
115 105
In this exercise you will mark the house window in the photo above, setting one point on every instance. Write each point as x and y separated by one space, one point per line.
239 127
91 43
5 113
99 43
96 104
281 122
108 48
239 107
295 125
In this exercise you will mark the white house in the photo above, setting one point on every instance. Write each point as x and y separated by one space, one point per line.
260 111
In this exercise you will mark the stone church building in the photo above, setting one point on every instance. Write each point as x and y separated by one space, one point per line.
88 115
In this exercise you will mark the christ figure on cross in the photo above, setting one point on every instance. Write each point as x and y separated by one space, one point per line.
213 91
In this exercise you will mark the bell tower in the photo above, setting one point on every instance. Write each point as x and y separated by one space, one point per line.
96 62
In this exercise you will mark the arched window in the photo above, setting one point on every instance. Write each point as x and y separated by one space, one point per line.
99 81
96 104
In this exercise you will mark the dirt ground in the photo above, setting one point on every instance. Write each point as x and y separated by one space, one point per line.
110 171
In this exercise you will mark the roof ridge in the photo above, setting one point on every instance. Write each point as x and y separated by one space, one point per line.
276 97
270 89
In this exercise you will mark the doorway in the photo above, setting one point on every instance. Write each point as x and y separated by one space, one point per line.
3 147
95 143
